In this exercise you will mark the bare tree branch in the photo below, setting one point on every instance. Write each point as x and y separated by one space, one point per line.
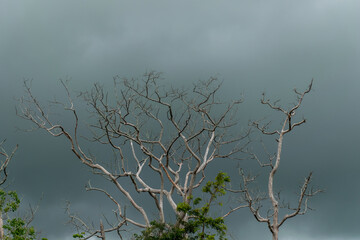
5 161
254 203
154 131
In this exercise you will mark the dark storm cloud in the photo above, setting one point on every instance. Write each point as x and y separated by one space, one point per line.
252 45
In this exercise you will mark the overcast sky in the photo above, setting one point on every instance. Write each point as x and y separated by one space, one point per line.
253 46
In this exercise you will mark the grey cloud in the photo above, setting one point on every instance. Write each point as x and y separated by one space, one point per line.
253 46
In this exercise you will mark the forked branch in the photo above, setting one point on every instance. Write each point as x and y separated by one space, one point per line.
169 134
273 215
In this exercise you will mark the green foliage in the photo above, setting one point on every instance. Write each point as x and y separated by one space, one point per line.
15 228
199 224
217 188
161 231
79 235
18 230
9 201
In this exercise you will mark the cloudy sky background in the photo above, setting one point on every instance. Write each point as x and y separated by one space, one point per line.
253 46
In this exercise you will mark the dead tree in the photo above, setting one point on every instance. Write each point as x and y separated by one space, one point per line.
171 133
254 200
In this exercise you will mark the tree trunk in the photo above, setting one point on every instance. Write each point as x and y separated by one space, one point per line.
275 233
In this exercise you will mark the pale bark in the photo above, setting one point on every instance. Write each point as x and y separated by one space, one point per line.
173 133
254 202
102 232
